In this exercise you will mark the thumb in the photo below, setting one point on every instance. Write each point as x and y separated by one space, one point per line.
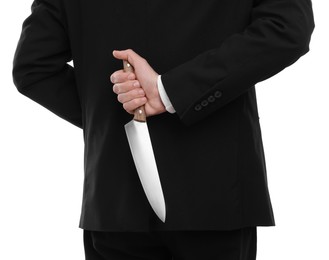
128 55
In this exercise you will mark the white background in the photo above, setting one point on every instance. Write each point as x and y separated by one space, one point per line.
41 159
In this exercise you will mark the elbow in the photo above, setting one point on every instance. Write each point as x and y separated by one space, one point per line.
19 75
295 43
303 39
25 71
294 33
302 29
24 76
17 79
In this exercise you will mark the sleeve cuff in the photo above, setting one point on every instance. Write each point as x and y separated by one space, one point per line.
164 97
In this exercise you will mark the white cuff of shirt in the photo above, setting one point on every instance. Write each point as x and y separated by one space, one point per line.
164 97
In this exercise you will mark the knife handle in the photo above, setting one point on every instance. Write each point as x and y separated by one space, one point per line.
139 113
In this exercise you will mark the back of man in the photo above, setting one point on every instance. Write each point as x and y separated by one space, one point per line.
210 54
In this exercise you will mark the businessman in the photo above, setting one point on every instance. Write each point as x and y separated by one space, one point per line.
196 65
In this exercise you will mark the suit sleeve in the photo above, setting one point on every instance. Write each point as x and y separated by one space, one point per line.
278 34
40 69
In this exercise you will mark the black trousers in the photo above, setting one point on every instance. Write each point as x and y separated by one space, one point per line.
171 245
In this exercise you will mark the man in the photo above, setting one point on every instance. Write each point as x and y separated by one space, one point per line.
202 113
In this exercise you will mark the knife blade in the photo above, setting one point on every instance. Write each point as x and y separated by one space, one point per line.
142 152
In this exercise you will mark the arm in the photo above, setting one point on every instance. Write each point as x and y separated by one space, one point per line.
40 69
277 36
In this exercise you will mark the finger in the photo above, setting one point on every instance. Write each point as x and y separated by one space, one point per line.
124 87
131 95
121 76
132 105
129 55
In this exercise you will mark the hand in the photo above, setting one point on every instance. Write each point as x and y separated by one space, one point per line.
138 88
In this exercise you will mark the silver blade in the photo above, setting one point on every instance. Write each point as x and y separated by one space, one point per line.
142 152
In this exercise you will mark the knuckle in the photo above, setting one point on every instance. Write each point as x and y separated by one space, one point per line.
130 76
136 91
120 98
136 102
118 88
143 60
126 107
135 84
115 89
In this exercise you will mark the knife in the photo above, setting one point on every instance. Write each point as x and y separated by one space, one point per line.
142 153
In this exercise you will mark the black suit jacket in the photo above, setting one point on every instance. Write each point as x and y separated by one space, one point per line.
210 54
